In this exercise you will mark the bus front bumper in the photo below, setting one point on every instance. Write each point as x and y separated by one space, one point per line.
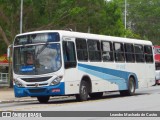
54 90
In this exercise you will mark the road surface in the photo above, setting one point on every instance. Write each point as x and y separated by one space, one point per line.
147 99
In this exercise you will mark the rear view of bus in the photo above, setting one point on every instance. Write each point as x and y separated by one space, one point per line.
37 65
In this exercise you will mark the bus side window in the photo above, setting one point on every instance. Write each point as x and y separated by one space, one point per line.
139 53
69 54
82 52
94 50
148 54
129 52
107 51
119 52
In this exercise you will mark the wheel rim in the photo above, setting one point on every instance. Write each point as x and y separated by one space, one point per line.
83 90
132 86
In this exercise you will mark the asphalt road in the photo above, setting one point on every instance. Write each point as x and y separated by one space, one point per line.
147 99
144 99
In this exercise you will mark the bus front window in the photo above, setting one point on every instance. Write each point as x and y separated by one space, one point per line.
29 59
37 59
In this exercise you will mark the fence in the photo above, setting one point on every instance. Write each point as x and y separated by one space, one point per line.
4 79
5 70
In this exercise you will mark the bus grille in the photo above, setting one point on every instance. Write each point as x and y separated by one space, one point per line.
37 90
34 85
40 79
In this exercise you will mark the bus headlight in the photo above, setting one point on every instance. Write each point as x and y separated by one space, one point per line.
19 84
56 80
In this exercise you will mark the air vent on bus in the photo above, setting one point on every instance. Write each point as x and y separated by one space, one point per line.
39 79
37 85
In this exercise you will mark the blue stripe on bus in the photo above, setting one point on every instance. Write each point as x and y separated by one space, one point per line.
116 76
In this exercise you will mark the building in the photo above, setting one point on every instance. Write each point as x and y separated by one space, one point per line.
4 65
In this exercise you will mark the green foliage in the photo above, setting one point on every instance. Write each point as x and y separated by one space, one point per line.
2 47
94 16
143 19
113 20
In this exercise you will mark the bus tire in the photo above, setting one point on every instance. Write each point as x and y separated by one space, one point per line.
131 88
96 95
83 91
43 99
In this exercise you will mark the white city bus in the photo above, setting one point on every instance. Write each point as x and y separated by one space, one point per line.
56 62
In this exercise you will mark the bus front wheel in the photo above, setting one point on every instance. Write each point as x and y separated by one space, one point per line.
131 88
43 99
83 92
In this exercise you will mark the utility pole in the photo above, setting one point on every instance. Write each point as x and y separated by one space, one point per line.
125 14
21 16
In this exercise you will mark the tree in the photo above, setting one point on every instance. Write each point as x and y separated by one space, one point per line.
94 16
144 18
8 25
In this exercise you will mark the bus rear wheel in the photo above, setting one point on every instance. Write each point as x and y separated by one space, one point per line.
43 99
83 92
131 88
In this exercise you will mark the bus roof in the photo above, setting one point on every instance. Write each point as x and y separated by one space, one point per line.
73 34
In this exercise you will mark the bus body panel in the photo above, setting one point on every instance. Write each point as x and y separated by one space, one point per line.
106 79
39 88
56 90
72 81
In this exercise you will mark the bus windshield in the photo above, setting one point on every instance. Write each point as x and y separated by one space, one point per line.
37 59
157 50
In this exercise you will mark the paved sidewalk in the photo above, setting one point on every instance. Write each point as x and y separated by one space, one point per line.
7 95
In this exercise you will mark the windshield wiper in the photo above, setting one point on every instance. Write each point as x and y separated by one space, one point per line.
41 50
